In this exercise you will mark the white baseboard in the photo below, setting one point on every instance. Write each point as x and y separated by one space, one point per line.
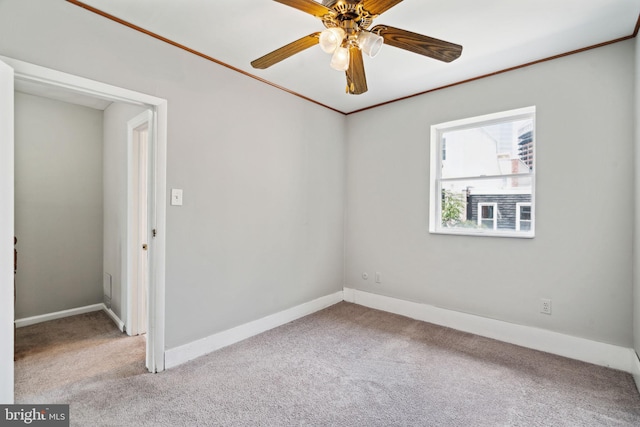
71 312
58 315
617 357
598 353
119 323
184 353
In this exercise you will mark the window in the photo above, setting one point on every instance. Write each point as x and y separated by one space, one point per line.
523 216
487 215
483 175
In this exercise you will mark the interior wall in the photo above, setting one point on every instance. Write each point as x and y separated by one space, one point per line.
261 228
581 256
115 181
58 205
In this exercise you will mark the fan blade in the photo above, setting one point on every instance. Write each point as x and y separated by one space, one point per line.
356 79
417 43
309 6
376 7
286 51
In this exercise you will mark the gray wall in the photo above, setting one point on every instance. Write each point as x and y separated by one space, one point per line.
116 117
261 229
581 256
58 205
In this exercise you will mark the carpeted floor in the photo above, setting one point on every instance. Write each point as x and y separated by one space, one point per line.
343 366
65 352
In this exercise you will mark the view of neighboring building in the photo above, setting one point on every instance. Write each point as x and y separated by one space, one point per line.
525 144
478 168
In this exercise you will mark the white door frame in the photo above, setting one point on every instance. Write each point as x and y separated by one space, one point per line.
157 206
137 233
6 233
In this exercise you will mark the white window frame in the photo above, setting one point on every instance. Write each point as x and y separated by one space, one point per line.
435 201
495 214
518 206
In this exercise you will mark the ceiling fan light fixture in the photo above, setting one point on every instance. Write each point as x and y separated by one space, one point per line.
348 38
370 43
340 59
331 39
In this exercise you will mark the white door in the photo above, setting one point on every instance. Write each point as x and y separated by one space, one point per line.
6 234
142 201
139 230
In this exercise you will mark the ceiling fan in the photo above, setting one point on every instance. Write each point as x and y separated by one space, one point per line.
347 36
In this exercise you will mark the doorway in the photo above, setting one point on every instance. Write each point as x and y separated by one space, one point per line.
13 70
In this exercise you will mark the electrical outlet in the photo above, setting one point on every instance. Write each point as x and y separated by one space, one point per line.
378 277
545 306
365 276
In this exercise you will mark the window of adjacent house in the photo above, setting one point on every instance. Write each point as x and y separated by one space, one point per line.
523 216
487 215
483 175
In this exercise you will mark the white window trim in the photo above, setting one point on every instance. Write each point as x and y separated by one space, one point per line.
435 205
518 206
495 214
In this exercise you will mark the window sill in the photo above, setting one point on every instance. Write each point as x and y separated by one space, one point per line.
485 233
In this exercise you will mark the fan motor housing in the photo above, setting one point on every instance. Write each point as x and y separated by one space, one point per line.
350 15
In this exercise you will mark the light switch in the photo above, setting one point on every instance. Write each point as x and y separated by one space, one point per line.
176 197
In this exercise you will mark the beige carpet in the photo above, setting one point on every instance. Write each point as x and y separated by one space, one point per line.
74 350
344 366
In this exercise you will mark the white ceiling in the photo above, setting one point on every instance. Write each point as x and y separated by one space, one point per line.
495 35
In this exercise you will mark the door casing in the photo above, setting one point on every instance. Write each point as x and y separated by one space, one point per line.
6 233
